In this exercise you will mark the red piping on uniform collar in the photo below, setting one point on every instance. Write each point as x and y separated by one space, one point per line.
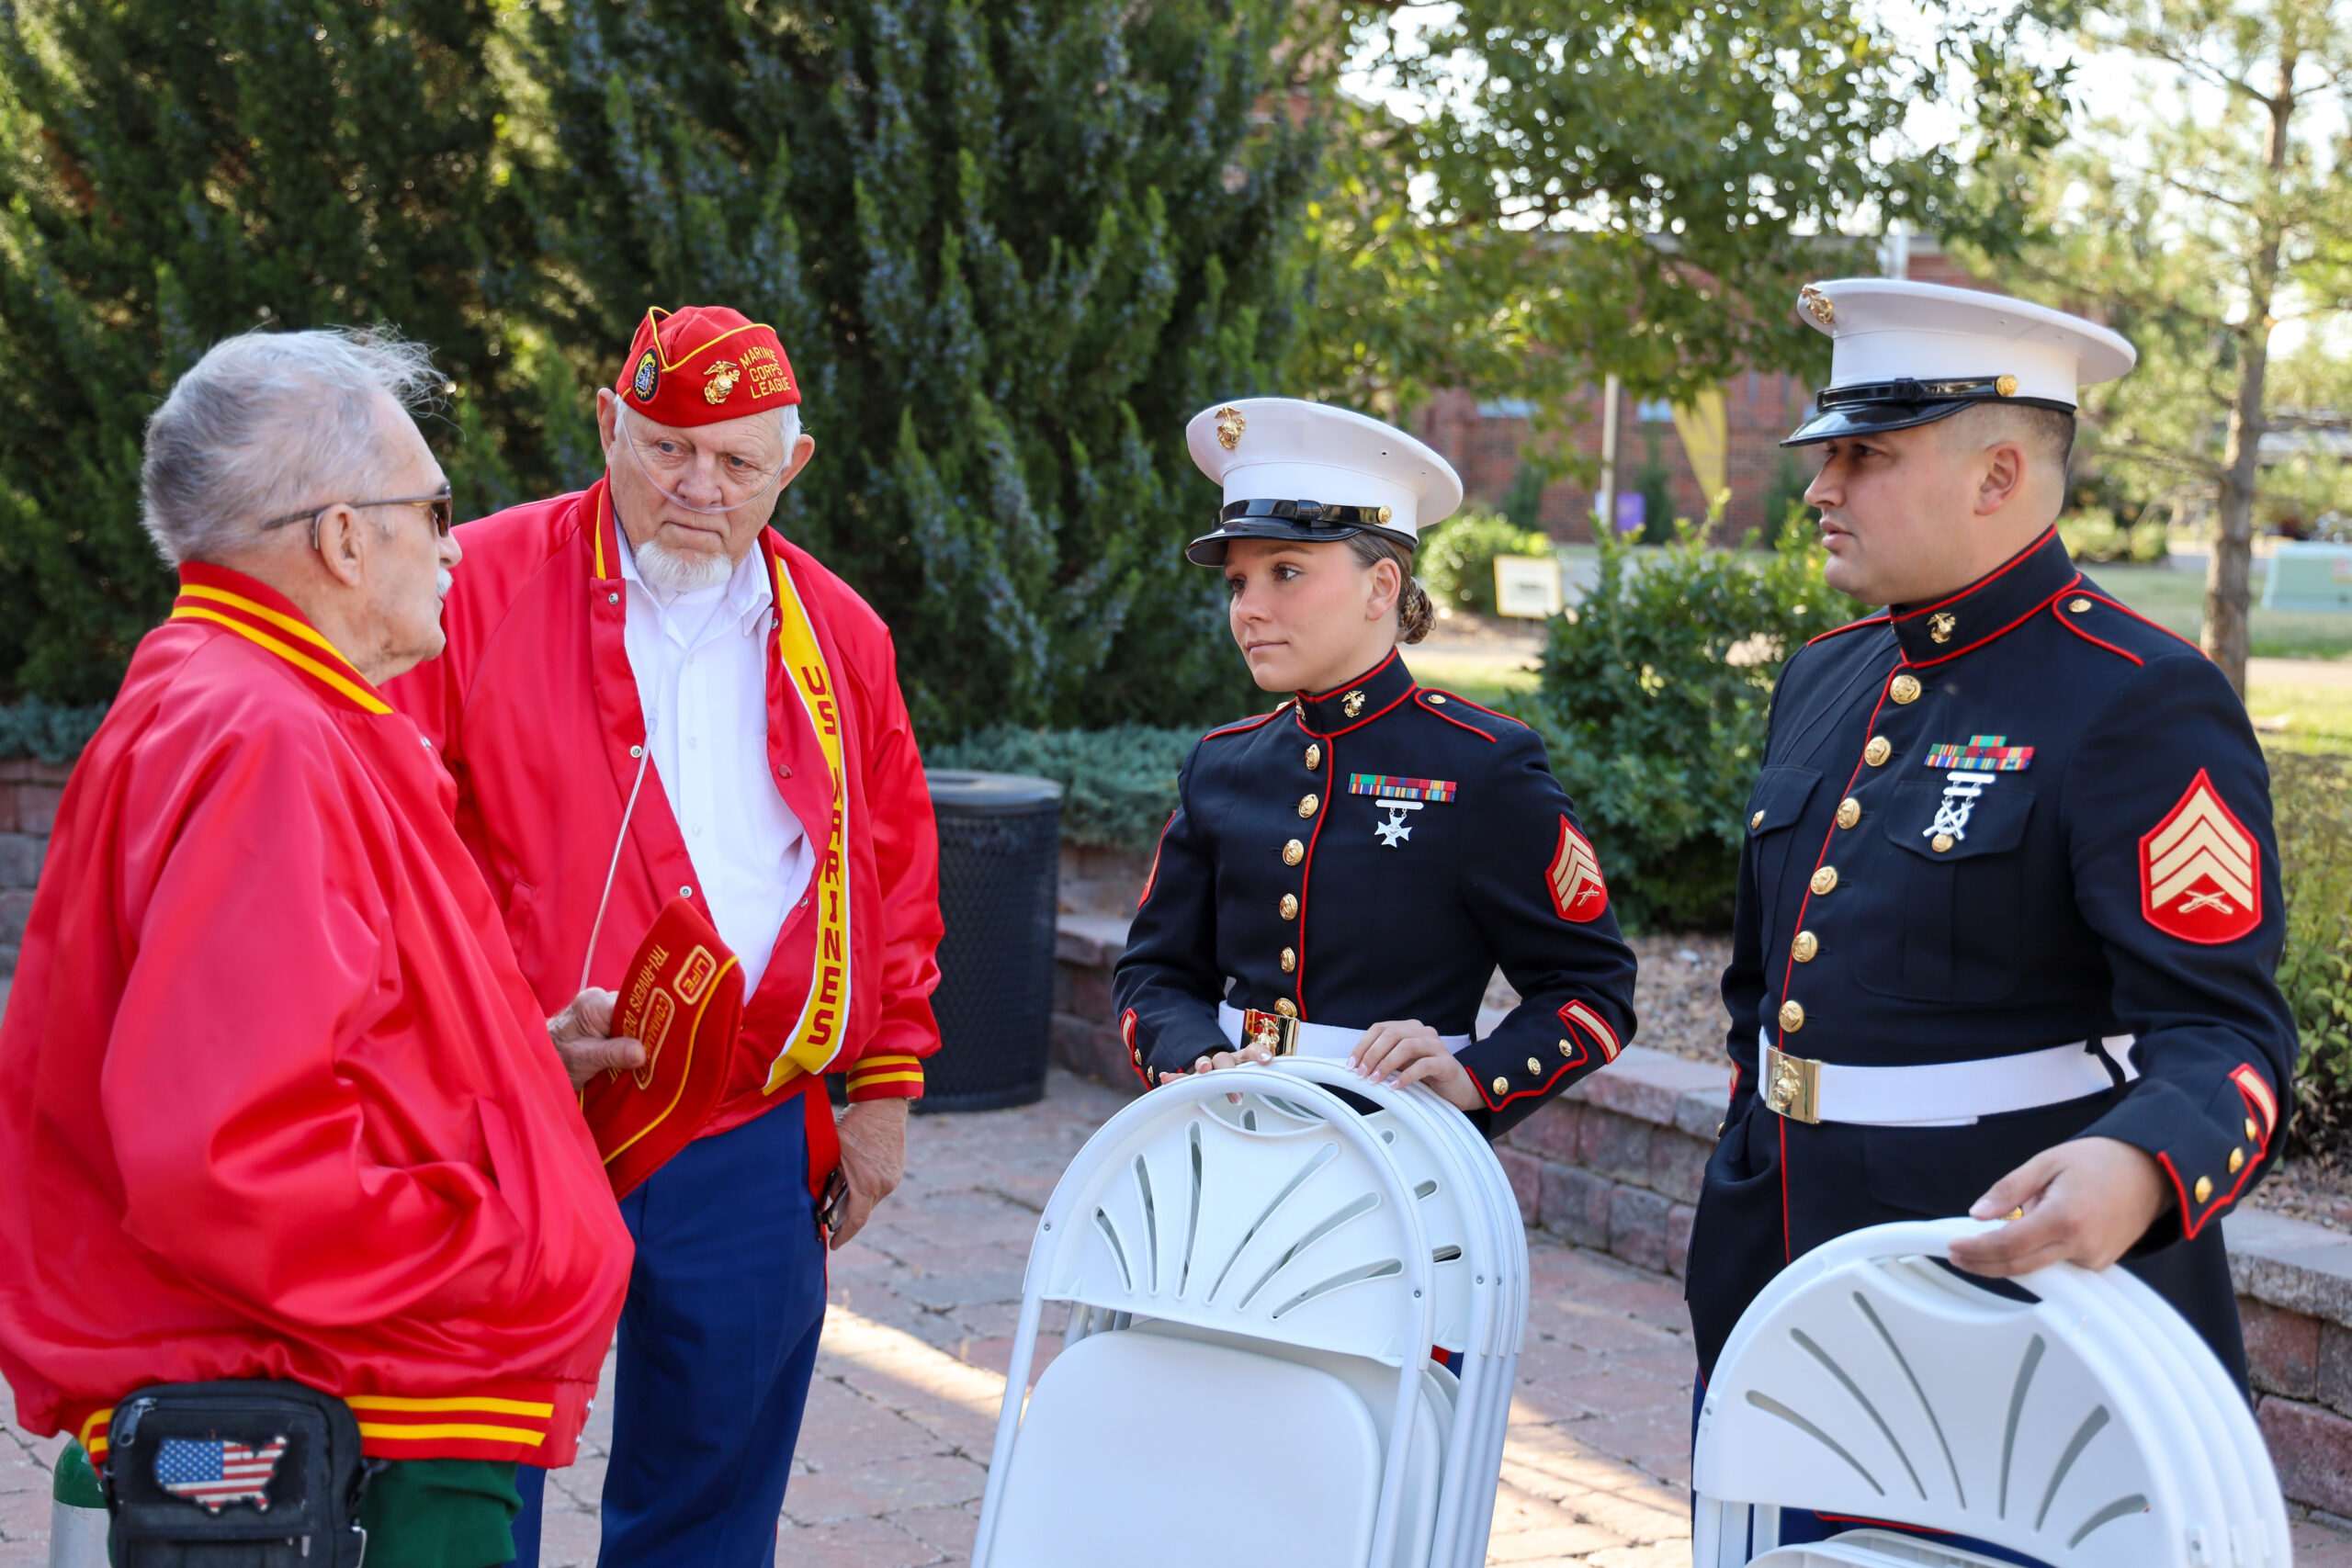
1985 581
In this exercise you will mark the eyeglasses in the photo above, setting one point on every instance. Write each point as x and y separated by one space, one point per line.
440 507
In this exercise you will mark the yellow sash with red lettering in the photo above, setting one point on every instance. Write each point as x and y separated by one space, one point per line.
816 1039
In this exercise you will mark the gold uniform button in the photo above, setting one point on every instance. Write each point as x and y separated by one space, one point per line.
1307 803
1502 1086
2253 1133
1792 1016
1757 821
1878 751
1313 758
1285 1007
1906 688
1566 1049
2237 1160
1806 946
2204 1188
1289 906
1438 698
1290 959
1849 812
2078 606
1940 842
1824 879
1294 853
1533 1066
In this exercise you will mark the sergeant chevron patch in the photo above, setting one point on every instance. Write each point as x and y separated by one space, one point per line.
1577 892
2200 872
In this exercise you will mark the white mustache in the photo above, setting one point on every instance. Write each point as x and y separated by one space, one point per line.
442 580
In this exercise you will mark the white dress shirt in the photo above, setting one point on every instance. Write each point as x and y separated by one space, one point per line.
700 661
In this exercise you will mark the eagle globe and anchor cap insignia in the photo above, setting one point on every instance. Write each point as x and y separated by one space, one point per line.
2201 870
216 1472
1578 891
721 384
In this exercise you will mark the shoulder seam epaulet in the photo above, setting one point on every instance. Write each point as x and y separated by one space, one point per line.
1421 701
2114 603
1465 702
1880 619
1248 724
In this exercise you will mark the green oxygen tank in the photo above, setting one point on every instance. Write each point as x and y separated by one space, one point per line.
77 1512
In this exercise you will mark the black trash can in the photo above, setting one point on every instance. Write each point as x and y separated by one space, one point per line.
1000 864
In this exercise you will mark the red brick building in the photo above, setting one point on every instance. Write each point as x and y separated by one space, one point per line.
1486 441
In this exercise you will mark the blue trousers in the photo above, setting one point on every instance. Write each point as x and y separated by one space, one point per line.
718 1341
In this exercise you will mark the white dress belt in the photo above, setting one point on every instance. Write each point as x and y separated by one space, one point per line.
1324 1042
1939 1094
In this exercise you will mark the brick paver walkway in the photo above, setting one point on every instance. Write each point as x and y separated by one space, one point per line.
895 1450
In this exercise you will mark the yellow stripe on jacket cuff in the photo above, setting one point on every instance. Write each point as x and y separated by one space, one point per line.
886 1076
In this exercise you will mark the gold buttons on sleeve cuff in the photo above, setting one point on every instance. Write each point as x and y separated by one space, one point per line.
1503 1087
1940 842
1792 1016
1289 906
2203 1189
1757 821
1566 1049
1849 812
2253 1133
1307 803
2237 1161
1294 853
1878 751
1533 1066
1906 688
1824 880
1804 947
1290 959
1313 758
2078 606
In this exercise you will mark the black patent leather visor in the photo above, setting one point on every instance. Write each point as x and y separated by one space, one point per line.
1302 522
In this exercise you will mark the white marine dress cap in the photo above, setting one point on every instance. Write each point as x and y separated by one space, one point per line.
1903 353
1310 472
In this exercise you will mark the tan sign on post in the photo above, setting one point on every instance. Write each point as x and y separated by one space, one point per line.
1528 586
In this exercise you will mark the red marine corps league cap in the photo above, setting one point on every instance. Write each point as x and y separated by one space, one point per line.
703 364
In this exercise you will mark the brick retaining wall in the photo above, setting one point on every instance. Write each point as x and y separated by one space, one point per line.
28 796
1614 1165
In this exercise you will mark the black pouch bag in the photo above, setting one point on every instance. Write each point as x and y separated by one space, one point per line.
251 1474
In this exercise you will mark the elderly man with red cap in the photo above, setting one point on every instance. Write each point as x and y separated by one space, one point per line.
650 696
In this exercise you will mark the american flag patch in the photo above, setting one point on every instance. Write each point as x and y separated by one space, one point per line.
1983 754
1388 786
217 1471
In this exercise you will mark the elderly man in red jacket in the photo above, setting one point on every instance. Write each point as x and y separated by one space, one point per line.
650 694
280 1104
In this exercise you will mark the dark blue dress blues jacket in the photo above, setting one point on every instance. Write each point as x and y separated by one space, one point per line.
1372 854
2117 875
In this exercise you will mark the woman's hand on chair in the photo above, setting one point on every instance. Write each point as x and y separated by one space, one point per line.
1410 1052
1256 1056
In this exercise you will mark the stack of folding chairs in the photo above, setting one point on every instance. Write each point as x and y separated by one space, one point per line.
1257 1273
2087 1426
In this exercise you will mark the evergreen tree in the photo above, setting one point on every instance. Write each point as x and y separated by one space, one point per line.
176 171
1010 249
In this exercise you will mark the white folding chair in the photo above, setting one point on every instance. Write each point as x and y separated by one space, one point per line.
2087 1428
1255 1288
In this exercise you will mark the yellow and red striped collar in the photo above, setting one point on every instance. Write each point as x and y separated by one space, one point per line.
269 620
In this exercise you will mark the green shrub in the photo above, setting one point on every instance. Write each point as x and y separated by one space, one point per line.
1653 699
46 733
2312 803
2094 535
1118 784
1456 560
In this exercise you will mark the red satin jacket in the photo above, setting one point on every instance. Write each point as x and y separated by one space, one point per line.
535 711
280 1103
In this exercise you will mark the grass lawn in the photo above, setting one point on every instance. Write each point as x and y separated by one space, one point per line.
1483 676
2299 716
2176 600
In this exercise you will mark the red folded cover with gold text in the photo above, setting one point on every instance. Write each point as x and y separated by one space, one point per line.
681 997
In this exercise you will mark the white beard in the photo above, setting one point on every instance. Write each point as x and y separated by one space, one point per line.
672 572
